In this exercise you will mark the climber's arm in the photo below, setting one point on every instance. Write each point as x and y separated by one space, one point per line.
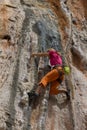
39 54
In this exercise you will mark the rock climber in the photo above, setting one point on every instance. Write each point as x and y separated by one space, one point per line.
54 77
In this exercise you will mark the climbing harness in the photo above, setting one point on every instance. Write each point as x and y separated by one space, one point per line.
60 72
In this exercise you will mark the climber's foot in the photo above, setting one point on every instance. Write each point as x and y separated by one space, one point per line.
68 94
31 96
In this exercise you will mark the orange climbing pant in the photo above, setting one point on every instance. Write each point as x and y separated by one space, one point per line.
51 77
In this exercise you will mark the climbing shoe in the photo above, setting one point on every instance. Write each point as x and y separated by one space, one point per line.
68 94
32 96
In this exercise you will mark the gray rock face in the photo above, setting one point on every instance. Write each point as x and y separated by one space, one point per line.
35 26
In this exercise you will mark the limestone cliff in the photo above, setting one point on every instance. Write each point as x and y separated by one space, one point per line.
35 26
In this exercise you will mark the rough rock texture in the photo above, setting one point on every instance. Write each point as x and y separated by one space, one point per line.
34 26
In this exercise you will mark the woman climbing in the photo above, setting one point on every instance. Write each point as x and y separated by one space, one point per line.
54 77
